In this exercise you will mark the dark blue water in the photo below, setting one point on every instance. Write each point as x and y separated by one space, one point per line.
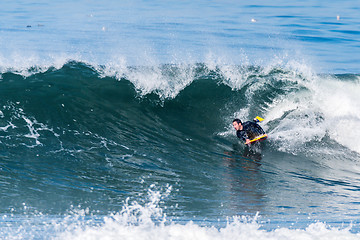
115 120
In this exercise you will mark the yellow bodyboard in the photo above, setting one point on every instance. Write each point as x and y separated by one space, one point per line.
258 138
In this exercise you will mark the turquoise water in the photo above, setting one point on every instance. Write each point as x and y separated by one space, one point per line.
115 120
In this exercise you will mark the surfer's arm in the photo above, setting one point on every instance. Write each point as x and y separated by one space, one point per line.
243 136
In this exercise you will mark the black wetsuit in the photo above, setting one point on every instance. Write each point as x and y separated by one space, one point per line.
250 131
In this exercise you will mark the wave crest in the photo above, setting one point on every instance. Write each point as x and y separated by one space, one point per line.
299 107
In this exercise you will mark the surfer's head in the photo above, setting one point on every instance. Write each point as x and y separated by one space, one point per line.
237 124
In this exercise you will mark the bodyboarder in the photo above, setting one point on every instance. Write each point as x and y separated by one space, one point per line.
248 130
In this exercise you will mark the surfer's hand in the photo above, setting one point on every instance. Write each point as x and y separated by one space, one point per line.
247 141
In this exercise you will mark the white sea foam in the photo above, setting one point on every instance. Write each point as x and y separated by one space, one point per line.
237 229
18 120
311 108
328 107
340 105
164 80
27 64
148 221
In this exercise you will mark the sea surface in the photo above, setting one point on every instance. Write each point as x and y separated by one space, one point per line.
116 119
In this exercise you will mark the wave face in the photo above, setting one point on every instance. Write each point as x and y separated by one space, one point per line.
89 136
53 107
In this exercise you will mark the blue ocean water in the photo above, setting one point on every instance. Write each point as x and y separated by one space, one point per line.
116 119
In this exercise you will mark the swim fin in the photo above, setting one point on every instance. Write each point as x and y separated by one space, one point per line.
258 119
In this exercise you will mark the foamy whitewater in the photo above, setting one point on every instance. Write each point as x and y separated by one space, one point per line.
116 120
